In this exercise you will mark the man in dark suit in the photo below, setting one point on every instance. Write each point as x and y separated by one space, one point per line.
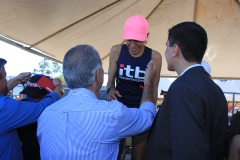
192 120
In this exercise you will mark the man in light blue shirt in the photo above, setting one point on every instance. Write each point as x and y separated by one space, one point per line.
80 126
15 114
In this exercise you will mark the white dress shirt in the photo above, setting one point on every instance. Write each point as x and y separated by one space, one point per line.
80 126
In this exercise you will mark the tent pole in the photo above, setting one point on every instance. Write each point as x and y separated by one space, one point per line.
233 103
195 11
28 49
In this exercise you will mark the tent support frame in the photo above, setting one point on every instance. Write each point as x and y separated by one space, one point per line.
28 49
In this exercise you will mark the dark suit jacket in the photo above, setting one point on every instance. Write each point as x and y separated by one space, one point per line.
191 122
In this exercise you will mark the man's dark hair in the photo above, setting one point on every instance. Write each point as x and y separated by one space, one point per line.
191 39
2 63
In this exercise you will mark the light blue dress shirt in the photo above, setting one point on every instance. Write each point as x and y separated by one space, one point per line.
15 114
81 127
194 65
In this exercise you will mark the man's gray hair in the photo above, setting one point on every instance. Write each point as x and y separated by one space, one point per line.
2 63
79 66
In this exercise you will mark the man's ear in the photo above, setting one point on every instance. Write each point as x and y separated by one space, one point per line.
98 74
176 50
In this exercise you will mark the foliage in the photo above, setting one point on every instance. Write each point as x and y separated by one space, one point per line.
50 68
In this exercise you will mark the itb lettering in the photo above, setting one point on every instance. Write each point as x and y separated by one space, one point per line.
129 72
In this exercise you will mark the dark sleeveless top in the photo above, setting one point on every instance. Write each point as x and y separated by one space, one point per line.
130 76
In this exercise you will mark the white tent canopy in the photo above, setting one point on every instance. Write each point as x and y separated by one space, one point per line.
53 27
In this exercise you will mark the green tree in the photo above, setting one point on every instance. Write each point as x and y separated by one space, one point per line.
44 67
56 68
50 68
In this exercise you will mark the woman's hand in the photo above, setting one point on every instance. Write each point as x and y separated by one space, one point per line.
113 94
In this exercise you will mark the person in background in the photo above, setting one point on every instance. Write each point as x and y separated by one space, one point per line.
27 134
234 149
192 120
15 114
233 130
80 126
127 65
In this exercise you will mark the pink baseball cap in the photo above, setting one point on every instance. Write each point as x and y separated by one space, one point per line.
136 28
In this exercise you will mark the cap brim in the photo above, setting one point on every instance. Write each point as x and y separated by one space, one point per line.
34 92
134 36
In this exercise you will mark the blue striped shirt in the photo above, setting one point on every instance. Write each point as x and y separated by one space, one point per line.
80 126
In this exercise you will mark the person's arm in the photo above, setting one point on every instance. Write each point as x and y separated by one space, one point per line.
234 148
21 78
112 69
132 121
58 86
16 113
149 81
233 130
157 59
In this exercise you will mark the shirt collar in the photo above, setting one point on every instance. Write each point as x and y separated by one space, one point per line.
82 91
195 65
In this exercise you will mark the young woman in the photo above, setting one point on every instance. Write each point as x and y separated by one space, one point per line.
127 65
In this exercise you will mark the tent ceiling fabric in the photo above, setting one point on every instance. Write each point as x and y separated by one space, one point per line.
53 27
